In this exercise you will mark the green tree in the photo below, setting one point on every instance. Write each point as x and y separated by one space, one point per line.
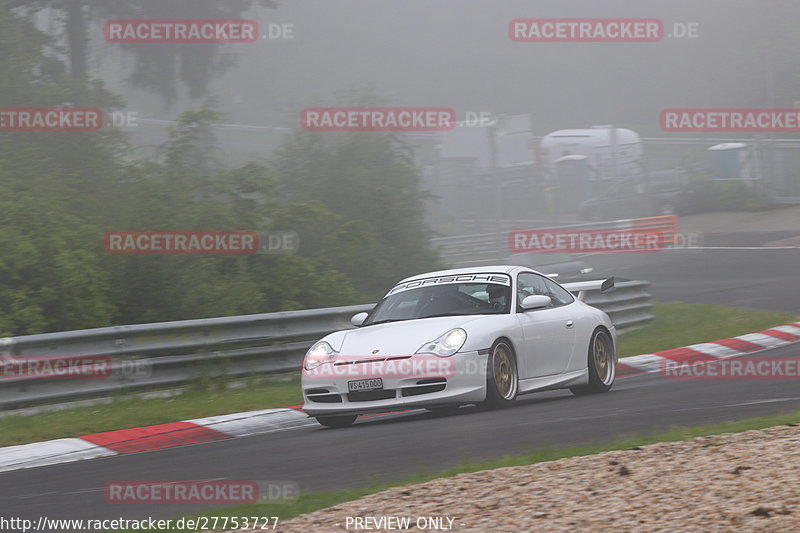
163 69
367 179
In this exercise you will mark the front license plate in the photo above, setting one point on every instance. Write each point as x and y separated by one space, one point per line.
361 385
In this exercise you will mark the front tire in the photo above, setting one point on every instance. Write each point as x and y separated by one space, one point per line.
502 378
602 370
340 421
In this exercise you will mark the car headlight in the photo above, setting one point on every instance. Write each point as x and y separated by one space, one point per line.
319 354
447 344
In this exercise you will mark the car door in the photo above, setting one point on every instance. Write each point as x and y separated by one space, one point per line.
548 333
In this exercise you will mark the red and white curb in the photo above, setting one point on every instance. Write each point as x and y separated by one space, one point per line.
710 351
214 428
160 436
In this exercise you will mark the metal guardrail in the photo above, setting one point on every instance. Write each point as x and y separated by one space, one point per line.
468 250
169 354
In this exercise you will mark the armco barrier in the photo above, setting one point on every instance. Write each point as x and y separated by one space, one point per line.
168 354
488 248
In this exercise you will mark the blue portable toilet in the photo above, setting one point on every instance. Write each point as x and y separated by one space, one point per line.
727 160
572 179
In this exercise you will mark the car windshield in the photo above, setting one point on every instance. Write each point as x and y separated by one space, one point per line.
449 299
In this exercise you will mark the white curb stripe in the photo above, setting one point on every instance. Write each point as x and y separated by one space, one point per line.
789 329
654 362
644 362
256 422
49 453
763 340
715 350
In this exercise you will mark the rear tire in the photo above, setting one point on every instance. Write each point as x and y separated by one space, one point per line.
602 370
340 421
502 378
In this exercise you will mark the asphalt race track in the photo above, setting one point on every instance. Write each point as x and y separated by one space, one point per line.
742 277
386 448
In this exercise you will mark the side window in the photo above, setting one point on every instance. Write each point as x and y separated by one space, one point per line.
528 284
557 293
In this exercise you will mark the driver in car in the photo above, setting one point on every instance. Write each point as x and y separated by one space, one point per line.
497 296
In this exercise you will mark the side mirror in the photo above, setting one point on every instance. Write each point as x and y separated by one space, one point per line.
535 301
358 319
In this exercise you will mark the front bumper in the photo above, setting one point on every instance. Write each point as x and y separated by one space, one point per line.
463 382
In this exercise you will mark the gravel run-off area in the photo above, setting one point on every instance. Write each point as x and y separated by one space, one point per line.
736 482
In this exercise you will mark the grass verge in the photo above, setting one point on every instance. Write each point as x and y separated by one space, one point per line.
680 324
309 502
132 410
676 324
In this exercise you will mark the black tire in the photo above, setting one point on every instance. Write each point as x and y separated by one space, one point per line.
502 377
602 370
339 421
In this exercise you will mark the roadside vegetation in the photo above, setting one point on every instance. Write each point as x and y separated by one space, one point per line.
354 200
217 397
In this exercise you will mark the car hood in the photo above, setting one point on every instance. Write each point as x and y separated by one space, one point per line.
395 338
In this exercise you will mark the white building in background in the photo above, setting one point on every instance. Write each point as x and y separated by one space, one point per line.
611 152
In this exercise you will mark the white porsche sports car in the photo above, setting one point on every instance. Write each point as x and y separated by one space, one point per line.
463 336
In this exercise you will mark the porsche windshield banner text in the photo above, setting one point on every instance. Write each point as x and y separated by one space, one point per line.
499 279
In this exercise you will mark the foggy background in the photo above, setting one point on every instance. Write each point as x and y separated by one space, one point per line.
218 143
456 53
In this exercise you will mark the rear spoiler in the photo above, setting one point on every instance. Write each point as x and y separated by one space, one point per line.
580 288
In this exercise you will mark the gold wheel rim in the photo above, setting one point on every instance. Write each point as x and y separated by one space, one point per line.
504 375
601 358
